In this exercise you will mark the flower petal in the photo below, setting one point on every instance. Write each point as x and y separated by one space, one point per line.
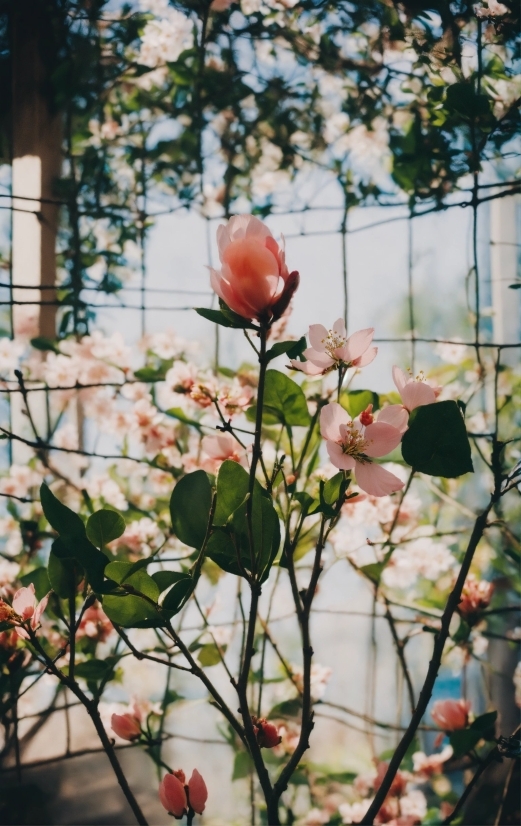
382 439
331 417
306 367
366 358
321 360
23 599
395 415
399 378
338 458
317 337
357 344
376 480
417 393
339 327
197 792
172 795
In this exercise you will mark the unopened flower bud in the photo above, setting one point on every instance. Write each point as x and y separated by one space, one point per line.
126 726
366 416
267 733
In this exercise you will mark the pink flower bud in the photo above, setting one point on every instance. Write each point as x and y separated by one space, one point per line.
126 726
267 733
475 597
197 792
366 416
451 715
172 795
254 280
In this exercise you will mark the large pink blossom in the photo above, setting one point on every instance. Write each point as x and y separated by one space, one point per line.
451 715
331 349
254 280
220 447
352 446
27 607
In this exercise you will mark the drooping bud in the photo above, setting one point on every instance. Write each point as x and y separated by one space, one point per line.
197 792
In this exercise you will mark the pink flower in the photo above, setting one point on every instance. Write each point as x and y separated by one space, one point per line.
95 624
433 764
27 607
331 349
475 597
220 5
267 733
220 447
451 715
126 726
414 392
254 280
178 797
351 446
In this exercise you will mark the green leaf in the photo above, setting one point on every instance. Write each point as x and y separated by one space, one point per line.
334 488
104 526
150 374
67 523
45 344
85 554
485 724
293 349
436 442
287 708
180 415
284 400
39 579
165 579
140 581
463 99
190 508
208 655
464 740
355 401
94 670
224 319
62 575
242 765
179 594
373 571
232 487
131 612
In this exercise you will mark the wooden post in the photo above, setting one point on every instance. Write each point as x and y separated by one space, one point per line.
504 256
36 163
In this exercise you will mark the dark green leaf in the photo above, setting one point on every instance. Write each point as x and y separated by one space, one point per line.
94 670
131 612
67 523
179 593
485 724
288 708
190 508
436 442
45 344
180 415
165 579
293 349
464 740
121 572
62 575
104 526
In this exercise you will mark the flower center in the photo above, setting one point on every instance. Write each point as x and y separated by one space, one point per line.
331 342
353 443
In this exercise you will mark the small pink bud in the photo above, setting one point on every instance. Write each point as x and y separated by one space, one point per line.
267 733
451 715
126 726
197 792
366 416
172 795
475 597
